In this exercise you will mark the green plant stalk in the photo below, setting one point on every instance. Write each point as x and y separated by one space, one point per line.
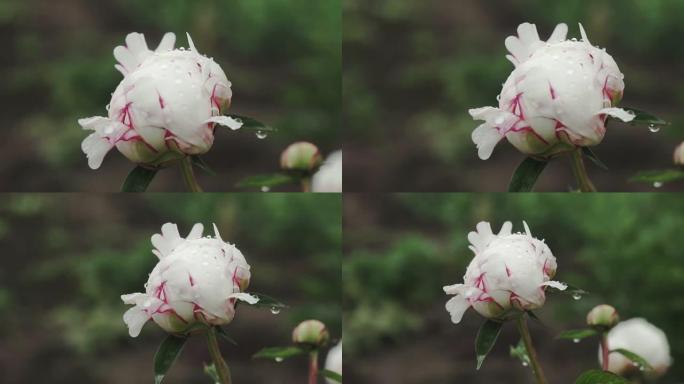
221 367
580 172
189 175
313 367
306 184
605 351
531 352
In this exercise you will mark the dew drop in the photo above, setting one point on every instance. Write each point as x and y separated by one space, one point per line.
261 135
107 107
279 359
653 128
657 184
641 368
525 364
575 341
265 189
576 296
275 310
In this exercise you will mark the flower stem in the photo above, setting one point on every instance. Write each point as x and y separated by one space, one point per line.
313 367
605 351
221 367
306 184
189 175
531 352
580 172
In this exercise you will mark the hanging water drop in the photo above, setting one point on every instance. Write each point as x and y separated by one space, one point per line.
261 135
657 184
576 296
275 310
279 359
265 189
575 341
653 128
525 364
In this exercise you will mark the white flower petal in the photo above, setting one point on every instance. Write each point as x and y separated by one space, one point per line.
556 284
617 113
457 306
135 318
167 43
195 232
246 297
226 121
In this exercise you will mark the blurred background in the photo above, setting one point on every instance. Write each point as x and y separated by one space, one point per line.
282 56
412 69
67 258
401 249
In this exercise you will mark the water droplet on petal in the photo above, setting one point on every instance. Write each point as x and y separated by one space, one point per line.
261 135
275 310
279 359
653 128
576 296
575 341
657 184
265 189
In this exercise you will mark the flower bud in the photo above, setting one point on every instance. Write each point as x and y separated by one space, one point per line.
301 156
508 274
166 106
679 154
333 362
197 279
557 98
640 337
311 332
603 316
329 176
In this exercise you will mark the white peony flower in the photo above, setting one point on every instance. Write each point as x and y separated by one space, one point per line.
197 279
643 338
329 176
165 107
679 154
333 362
509 272
558 97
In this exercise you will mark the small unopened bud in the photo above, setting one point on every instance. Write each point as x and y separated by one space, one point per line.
603 316
679 154
301 156
311 332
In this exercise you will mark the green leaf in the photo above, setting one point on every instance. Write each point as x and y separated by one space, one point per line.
641 117
526 175
266 301
577 334
640 361
198 162
280 353
520 352
222 332
334 376
167 353
600 377
268 181
253 124
138 180
486 338
662 177
589 153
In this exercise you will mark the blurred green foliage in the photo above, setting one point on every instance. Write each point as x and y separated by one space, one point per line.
73 256
283 58
625 249
414 68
